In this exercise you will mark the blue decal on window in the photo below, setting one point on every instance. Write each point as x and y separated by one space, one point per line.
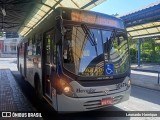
109 69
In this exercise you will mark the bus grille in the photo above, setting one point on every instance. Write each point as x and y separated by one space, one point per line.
91 83
95 104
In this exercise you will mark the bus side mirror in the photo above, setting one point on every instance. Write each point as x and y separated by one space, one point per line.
59 24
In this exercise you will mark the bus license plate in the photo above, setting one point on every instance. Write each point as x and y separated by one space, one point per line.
107 101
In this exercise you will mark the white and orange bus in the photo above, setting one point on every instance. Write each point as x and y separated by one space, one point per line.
77 60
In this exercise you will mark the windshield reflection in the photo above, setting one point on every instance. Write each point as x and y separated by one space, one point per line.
81 58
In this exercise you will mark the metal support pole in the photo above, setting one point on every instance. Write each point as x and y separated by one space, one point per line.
158 78
139 51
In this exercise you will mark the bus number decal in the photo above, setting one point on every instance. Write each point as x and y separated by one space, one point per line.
93 70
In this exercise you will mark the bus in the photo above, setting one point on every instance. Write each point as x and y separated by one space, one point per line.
77 60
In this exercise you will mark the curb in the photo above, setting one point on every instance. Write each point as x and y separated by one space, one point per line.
145 85
143 70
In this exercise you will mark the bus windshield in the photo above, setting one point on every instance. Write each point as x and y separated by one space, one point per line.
87 55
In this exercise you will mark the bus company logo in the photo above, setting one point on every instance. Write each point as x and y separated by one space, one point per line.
120 85
106 91
15 114
6 114
89 91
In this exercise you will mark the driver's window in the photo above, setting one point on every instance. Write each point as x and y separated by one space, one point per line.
67 51
48 47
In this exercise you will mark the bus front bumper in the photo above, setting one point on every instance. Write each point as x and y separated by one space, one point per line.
68 104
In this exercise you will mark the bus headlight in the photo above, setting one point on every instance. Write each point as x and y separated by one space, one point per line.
67 88
129 83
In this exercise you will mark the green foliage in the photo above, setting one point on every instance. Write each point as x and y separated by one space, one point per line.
150 51
133 55
1 34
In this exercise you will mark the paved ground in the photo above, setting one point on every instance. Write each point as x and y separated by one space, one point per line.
12 99
150 67
141 99
148 76
8 63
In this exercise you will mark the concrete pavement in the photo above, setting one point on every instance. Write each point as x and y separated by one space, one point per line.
146 67
147 75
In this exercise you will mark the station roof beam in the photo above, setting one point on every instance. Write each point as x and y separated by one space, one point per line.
144 22
45 7
23 15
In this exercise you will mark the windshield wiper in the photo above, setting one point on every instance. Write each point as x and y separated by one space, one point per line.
90 36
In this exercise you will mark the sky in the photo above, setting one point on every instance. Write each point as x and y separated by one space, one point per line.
121 7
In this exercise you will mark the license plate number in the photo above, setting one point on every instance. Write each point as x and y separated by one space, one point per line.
107 101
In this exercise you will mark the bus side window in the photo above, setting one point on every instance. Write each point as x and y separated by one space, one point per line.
36 44
33 49
38 49
29 48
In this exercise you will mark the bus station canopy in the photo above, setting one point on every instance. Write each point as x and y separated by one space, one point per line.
23 15
144 22
41 11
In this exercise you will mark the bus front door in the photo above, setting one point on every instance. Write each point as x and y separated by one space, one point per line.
48 63
50 68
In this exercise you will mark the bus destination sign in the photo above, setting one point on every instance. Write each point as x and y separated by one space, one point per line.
95 19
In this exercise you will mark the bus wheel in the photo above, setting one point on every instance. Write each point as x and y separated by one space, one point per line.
37 87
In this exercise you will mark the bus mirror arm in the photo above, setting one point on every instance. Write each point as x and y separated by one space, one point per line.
59 24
